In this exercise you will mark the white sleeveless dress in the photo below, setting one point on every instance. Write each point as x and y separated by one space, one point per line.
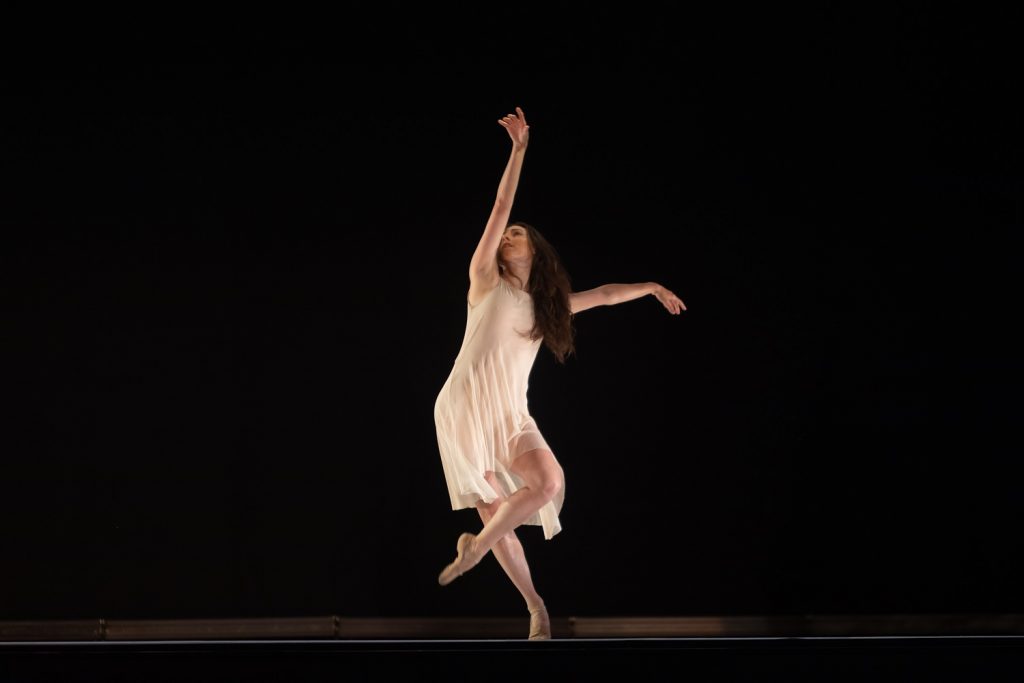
481 414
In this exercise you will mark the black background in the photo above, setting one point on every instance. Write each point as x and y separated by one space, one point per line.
237 277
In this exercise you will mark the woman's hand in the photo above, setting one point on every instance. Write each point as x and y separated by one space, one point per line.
517 128
672 302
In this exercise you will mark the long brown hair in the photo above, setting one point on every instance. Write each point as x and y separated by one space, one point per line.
549 285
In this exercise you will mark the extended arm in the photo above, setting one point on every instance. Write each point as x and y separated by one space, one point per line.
620 293
485 257
617 294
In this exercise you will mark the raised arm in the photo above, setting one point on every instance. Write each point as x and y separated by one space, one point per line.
485 259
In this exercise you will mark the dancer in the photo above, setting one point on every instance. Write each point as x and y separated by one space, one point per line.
492 451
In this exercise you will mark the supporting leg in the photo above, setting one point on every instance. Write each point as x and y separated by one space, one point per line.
512 558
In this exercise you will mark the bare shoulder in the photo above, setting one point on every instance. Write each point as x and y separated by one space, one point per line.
480 283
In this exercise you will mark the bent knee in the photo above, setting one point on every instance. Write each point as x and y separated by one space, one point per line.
541 471
551 485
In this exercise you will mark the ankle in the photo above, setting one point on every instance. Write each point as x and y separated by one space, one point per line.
473 547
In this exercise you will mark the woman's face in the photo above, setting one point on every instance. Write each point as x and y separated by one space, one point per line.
515 244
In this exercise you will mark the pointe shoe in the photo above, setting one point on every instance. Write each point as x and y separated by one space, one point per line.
540 624
466 560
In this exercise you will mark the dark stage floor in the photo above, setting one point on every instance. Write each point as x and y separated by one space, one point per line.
867 658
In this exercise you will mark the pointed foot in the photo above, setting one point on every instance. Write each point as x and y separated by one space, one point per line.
466 559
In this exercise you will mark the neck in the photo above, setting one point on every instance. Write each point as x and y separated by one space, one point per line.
514 271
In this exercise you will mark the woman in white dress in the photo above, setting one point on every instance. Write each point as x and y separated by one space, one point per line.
492 451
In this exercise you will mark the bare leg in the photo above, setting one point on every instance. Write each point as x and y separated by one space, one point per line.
542 475
512 558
